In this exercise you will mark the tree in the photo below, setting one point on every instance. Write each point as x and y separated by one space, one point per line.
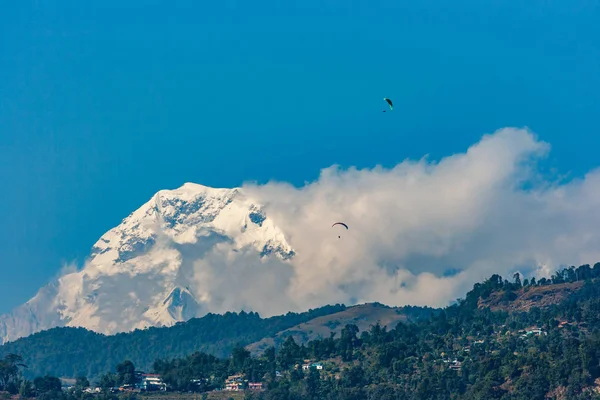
509 295
270 361
558 277
239 357
584 272
312 383
596 270
26 389
289 353
9 369
107 381
82 382
125 373
517 278
46 384
348 340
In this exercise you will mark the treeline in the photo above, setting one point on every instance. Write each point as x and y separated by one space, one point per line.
565 275
42 387
78 352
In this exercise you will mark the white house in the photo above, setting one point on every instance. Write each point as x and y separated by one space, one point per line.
306 367
152 382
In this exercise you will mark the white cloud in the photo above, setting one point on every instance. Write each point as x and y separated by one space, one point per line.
410 224
67 268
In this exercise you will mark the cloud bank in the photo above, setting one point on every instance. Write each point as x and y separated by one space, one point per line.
423 233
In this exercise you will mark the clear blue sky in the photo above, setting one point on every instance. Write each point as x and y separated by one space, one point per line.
102 105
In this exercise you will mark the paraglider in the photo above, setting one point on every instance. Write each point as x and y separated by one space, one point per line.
342 224
389 103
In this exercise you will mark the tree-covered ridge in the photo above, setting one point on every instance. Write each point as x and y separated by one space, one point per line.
462 352
71 352
362 315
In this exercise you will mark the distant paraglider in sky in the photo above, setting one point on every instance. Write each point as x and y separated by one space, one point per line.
341 224
389 101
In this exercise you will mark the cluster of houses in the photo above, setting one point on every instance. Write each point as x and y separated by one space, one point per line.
533 331
523 334
454 364
237 383
144 382
151 382
308 364
92 390
154 382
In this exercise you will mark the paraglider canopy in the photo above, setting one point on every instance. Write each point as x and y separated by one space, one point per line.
342 224
389 103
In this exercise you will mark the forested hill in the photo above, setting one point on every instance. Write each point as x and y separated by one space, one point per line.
362 316
70 352
478 348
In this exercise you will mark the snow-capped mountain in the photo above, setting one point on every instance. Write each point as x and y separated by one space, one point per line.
145 271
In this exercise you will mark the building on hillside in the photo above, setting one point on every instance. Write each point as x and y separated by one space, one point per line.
152 382
534 331
455 365
562 324
306 367
234 383
537 332
139 374
199 382
128 388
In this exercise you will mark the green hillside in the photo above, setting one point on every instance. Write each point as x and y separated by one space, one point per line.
363 316
70 352
487 346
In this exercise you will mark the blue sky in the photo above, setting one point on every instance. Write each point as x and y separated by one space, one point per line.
103 105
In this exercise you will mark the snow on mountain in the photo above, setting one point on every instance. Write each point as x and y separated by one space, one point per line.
142 273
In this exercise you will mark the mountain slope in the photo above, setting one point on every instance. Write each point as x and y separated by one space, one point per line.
363 316
527 297
145 271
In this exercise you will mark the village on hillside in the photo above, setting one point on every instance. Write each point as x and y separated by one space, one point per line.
452 358
154 383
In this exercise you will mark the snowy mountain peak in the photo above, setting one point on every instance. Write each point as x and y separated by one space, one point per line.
152 269
179 305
